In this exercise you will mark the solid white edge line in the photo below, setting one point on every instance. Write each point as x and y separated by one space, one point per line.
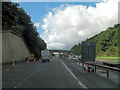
79 82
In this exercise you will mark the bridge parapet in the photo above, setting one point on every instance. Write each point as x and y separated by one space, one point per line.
63 51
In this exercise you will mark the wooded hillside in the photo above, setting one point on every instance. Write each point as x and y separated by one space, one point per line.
107 42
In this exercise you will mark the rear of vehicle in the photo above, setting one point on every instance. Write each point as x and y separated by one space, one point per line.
45 55
89 53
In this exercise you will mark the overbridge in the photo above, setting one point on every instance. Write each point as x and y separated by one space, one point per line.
62 51
70 52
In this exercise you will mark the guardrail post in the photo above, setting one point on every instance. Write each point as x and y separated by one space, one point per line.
83 65
95 69
107 73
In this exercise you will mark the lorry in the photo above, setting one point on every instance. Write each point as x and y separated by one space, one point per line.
88 51
88 54
45 55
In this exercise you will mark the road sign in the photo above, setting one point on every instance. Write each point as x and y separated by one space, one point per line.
32 56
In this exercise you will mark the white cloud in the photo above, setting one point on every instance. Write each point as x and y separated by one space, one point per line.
37 24
70 24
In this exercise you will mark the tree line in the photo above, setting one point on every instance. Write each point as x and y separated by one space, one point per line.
16 19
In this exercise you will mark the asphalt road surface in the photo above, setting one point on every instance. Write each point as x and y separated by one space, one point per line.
54 74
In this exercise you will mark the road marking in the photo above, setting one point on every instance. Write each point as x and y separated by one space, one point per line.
20 83
15 87
7 69
28 77
25 80
79 82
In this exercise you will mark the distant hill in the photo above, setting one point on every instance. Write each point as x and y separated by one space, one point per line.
107 42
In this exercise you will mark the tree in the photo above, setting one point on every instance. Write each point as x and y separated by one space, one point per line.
17 20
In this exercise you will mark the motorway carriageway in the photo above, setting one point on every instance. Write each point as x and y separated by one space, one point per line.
54 74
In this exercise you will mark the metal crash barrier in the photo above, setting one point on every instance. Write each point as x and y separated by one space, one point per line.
92 66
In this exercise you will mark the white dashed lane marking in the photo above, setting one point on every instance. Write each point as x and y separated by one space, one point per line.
79 82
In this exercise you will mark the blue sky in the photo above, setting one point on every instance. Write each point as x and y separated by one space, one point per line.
68 25
38 10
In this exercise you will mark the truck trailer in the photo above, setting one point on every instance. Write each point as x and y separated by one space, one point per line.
88 51
45 55
88 54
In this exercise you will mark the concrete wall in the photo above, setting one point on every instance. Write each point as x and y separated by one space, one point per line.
13 47
0 49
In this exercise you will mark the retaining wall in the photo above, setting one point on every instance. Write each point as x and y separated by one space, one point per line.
13 47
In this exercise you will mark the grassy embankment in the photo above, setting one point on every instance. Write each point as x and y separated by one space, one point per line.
107 58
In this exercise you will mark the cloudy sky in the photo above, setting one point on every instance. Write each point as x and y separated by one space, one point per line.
62 25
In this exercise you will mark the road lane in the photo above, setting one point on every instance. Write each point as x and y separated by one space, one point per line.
53 74
12 77
41 75
91 80
80 83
